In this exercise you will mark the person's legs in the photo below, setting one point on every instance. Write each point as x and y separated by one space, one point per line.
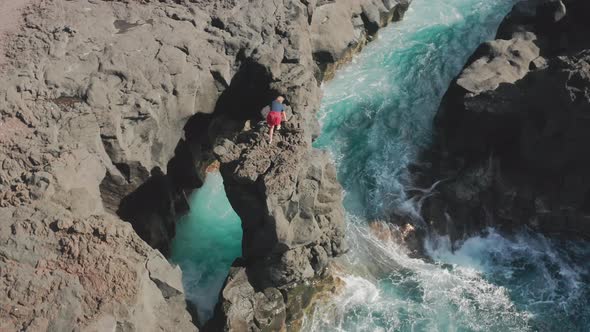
272 129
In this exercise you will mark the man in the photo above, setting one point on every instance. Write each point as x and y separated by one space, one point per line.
276 115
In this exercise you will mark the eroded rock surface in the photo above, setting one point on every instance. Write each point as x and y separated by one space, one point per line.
111 110
60 272
513 128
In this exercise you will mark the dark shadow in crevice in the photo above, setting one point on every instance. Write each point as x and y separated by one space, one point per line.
249 91
153 201
159 199
149 209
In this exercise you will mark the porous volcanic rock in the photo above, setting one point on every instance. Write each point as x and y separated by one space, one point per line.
61 272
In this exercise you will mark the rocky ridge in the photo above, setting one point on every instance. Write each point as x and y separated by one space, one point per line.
512 130
112 110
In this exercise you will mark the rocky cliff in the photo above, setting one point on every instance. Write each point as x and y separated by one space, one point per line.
513 128
112 110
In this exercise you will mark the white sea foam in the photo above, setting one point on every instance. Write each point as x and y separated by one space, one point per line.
489 283
376 114
387 290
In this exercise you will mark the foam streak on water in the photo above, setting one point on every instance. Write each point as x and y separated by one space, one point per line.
376 115
409 294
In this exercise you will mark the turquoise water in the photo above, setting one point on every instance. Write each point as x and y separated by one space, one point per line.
207 241
376 115
378 112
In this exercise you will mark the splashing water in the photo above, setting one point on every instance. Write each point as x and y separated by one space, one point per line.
546 278
378 112
491 283
376 115
207 241
410 294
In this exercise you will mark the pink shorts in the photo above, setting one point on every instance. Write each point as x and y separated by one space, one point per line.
274 118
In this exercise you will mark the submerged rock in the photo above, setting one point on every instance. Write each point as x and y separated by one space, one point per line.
512 131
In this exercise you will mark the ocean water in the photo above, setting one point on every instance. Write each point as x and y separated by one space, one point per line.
378 111
491 283
376 115
207 241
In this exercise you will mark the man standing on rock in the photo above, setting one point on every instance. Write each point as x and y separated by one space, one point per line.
276 115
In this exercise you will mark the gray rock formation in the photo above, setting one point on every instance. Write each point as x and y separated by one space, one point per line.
111 110
513 130
61 272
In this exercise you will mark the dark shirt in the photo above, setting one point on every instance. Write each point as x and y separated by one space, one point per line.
276 106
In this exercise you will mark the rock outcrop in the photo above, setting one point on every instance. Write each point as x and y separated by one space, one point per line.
513 128
341 28
112 109
286 194
60 272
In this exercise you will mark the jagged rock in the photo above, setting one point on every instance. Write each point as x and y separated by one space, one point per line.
117 107
243 308
168 280
60 272
490 70
512 128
